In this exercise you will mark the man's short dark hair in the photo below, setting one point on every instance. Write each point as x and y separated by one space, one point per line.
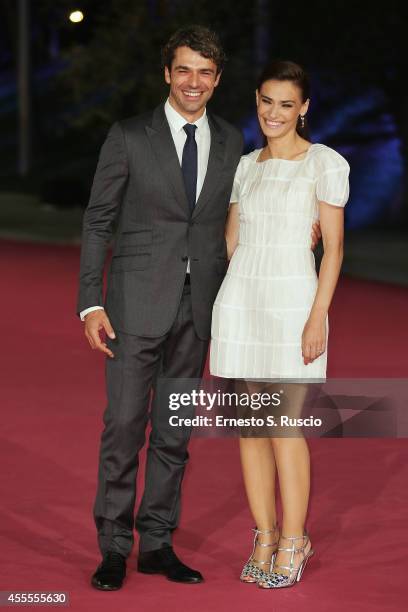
198 38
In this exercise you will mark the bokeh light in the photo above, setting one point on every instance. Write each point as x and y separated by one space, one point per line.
76 16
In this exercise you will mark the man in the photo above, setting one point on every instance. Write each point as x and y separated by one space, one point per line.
164 180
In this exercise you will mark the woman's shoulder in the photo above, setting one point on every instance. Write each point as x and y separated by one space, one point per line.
250 157
246 162
327 158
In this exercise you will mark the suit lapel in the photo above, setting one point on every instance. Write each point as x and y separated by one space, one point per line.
215 165
163 146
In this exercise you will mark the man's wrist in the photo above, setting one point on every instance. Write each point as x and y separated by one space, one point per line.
83 313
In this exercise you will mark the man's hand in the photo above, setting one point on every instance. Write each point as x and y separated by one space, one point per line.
94 322
316 235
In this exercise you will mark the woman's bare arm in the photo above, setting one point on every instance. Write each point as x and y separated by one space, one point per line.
232 229
332 228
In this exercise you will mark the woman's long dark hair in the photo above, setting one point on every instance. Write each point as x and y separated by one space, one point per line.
282 70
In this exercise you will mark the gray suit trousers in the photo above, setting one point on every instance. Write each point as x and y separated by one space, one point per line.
138 365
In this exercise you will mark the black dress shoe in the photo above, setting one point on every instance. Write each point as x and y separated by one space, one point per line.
110 573
164 561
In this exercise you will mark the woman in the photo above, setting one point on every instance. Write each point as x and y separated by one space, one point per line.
270 316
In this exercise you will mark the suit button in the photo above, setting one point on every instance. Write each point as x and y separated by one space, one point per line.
185 258
191 223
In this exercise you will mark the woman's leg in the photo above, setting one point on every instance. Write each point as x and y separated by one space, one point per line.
292 460
258 468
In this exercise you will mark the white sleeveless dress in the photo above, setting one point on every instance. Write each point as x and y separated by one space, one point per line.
265 299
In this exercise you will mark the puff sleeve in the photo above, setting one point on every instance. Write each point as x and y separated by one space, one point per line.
236 187
333 179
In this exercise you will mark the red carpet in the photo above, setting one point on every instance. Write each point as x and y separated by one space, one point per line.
52 403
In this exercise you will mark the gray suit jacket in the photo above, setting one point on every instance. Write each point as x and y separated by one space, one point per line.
138 192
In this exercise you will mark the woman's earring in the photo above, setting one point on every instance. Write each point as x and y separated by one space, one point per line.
302 121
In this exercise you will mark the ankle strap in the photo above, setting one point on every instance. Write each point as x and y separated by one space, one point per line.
266 531
293 538
293 549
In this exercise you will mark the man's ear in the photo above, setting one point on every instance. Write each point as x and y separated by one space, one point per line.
257 97
167 75
217 79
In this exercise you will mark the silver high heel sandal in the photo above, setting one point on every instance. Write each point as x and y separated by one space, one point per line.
251 572
275 580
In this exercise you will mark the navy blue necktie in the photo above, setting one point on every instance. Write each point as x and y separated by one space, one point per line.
189 164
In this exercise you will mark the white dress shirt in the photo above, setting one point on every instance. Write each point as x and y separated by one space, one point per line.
203 140
202 136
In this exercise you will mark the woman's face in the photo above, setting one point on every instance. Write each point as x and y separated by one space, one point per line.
279 104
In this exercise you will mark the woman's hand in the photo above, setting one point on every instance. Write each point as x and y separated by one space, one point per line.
313 339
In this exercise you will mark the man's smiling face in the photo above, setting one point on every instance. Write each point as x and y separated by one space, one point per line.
192 81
